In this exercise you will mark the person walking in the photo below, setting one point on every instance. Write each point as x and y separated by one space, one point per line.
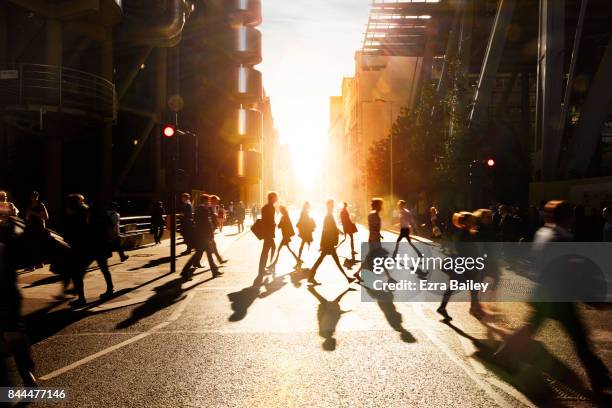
607 228
36 217
267 228
186 211
374 237
240 214
348 227
466 248
287 230
13 337
406 224
434 221
102 231
559 221
329 241
76 234
115 218
213 208
221 214
157 221
7 209
203 237
306 226
37 209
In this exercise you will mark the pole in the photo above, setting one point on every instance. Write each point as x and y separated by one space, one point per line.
173 205
391 150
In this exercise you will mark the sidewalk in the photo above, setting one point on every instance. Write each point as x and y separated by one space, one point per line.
134 280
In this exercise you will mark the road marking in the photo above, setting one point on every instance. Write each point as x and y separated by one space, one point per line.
499 400
175 315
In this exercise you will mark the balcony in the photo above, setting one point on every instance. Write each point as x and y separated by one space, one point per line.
247 12
49 88
250 126
249 87
248 167
247 46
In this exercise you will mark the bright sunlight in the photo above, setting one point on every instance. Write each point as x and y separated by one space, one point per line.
307 47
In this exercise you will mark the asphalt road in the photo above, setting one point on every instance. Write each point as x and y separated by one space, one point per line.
223 342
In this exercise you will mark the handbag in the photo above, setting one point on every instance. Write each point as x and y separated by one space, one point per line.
257 229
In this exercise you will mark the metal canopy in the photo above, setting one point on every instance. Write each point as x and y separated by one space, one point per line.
398 28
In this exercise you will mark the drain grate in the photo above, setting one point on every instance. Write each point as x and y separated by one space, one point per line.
564 392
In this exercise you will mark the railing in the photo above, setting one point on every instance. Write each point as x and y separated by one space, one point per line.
141 224
56 88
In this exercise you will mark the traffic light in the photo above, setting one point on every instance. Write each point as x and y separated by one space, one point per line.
169 130
491 162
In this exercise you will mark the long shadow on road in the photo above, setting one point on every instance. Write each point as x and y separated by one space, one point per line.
55 316
165 295
328 316
242 300
384 300
534 371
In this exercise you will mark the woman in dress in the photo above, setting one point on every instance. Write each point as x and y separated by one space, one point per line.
348 227
287 230
306 227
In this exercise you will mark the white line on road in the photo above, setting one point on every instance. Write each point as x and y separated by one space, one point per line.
175 315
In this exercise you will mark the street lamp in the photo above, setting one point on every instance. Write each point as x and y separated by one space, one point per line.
390 145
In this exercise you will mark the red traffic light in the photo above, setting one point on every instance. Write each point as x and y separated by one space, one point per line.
491 162
169 130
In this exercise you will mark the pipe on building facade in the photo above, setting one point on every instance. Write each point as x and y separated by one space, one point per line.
158 24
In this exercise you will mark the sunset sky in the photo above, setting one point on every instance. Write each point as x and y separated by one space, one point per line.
308 46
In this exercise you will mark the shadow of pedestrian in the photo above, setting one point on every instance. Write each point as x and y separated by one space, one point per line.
165 295
298 275
384 300
535 371
242 300
328 316
45 281
272 285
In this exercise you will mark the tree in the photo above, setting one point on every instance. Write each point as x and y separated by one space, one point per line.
432 145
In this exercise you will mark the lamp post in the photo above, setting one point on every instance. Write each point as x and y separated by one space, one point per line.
391 192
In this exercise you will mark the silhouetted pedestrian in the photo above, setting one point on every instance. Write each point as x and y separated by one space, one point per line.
203 237
559 220
287 230
76 234
607 228
157 221
36 208
115 218
348 227
240 213
267 231
306 226
13 338
213 208
407 224
329 240
186 227
102 236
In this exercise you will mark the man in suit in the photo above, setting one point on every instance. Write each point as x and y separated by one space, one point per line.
267 219
186 211
329 241
203 235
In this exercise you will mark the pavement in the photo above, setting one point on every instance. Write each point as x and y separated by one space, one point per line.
225 342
